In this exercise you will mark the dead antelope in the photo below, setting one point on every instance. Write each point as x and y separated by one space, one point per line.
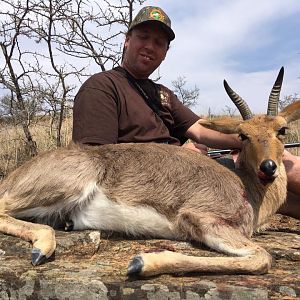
159 190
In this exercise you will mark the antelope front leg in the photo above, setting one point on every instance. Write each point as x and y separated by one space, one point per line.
249 258
167 262
41 236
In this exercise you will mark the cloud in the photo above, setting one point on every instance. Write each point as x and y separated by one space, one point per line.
244 41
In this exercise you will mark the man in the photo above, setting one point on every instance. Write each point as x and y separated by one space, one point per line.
123 105
109 107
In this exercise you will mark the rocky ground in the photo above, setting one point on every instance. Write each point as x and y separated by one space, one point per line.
92 265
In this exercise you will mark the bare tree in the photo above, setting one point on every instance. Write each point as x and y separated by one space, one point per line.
228 110
187 96
15 73
96 31
9 108
287 100
49 18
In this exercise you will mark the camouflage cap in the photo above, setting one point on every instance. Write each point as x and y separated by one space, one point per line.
153 13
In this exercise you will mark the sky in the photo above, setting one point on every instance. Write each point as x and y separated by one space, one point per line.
245 42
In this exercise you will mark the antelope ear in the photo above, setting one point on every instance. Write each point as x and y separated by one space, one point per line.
224 125
291 112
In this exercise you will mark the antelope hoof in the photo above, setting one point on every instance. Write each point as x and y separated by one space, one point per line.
37 257
135 266
69 226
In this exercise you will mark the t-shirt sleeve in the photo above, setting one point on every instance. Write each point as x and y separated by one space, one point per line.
95 112
183 117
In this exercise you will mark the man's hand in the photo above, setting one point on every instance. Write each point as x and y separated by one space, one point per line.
196 147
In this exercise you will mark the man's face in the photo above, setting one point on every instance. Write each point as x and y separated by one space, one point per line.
146 47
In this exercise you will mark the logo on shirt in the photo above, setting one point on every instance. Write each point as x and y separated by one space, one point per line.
164 98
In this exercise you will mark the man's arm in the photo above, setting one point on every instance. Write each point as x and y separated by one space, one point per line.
292 167
292 205
213 139
95 117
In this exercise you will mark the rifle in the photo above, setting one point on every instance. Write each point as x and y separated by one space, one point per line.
218 152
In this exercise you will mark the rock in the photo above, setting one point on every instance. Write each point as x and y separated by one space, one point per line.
90 265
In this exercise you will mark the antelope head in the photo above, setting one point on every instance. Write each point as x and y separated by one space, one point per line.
262 136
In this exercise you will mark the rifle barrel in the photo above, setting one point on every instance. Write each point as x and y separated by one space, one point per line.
292 145
227 151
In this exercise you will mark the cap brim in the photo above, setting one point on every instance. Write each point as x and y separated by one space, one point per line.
169 31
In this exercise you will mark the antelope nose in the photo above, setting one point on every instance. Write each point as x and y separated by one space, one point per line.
268 167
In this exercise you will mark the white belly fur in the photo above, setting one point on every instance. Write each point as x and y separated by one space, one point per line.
91 209
102 213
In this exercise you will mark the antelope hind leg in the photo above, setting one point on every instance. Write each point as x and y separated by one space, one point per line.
41 236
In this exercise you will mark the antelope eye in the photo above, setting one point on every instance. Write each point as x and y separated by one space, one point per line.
282 131
243 137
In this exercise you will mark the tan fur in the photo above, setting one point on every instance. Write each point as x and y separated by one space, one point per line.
191 196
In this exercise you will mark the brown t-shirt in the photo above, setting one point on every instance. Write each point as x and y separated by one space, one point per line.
108 109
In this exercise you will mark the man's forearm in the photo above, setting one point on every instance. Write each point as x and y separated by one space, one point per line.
213 139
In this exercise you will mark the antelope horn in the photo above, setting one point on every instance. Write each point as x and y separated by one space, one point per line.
239 102
274 95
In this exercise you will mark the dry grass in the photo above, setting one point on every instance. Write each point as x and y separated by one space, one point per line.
12 150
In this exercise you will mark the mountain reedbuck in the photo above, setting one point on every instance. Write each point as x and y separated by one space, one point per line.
159 190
